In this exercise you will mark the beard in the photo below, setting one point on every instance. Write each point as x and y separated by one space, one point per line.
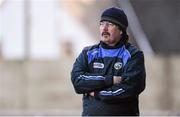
109 39
105 36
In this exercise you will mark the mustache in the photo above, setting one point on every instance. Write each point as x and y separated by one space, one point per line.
105 33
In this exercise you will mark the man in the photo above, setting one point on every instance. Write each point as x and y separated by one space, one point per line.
111 74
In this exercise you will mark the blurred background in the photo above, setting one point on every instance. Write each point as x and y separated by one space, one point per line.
40 39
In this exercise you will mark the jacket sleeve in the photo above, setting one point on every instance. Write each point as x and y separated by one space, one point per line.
84 81
133 82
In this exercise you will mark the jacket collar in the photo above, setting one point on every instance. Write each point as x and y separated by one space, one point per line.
105 46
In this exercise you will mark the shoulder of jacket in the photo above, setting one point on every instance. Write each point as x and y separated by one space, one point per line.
89 48
132 49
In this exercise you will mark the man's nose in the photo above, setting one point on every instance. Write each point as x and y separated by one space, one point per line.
105 28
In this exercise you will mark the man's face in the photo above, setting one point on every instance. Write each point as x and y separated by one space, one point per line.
110 33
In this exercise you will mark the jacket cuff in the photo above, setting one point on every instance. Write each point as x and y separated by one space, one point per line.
108 81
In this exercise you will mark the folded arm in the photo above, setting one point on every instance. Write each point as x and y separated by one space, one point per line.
132 84
85 82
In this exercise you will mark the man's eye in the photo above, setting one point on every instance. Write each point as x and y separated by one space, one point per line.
102 23
111 24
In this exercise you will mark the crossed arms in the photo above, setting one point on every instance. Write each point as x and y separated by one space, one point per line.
107 87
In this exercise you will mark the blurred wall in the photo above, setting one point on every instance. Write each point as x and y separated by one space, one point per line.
44 87
160 20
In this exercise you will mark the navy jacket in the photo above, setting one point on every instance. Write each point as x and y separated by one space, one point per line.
93 71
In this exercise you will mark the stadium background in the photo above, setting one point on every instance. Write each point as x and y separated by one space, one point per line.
40 39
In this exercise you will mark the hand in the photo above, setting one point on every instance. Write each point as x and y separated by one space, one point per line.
91 94
117 79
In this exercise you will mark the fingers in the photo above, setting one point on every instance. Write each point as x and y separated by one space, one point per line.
117 79
91 94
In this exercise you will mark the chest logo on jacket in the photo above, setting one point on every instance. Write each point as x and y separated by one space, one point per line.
98 65
118 65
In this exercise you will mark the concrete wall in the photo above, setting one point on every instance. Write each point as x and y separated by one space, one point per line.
162 86
44 87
